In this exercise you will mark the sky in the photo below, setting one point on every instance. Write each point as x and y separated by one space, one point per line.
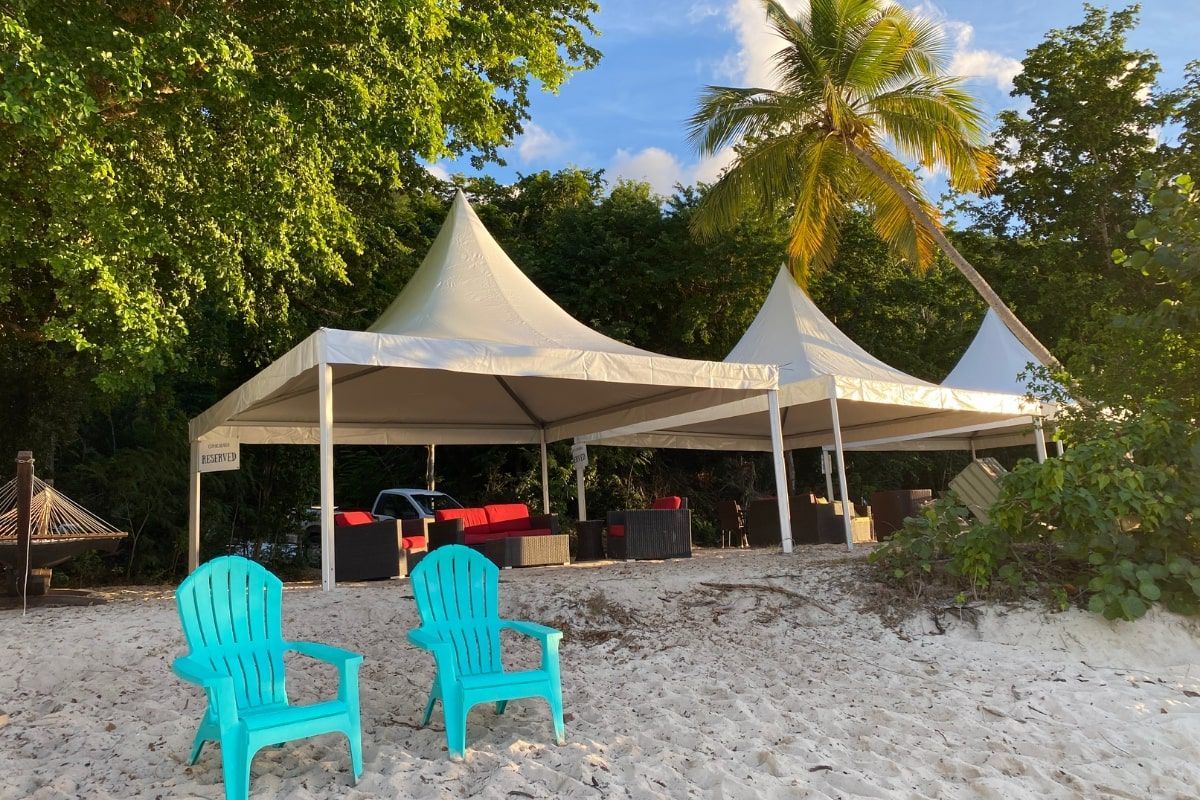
628 115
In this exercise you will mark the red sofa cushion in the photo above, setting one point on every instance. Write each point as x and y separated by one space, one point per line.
530 532
475 537
508 517
412 543
352 518
474 519
616 530
668 503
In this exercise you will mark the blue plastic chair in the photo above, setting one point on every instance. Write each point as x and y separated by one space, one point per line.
457 592
231 610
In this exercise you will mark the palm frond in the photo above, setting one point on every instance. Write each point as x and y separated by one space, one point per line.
891 217
727 114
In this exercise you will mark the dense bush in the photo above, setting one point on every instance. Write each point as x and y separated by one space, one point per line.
1111 523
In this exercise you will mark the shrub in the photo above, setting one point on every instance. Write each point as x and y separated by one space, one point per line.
1113 521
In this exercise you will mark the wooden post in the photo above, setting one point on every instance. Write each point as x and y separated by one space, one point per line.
24 519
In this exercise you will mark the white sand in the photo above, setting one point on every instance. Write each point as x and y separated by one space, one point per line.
697 692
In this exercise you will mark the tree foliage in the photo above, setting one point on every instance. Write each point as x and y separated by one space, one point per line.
154 157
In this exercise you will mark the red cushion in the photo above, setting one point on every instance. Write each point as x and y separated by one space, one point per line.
531 532
668 503
508 516
352 518
477 537
412 543
474 519
616 530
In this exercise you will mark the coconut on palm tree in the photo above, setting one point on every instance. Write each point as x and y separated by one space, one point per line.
860 87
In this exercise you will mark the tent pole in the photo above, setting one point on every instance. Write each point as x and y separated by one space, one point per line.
325 399
973 450
841 468
581 492
430 457
194 509
781 492
827 469
1058 446
545 476
1039 439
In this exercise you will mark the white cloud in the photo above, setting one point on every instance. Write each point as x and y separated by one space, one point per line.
539 145
654 165
702 11
438 171
970 62
662 170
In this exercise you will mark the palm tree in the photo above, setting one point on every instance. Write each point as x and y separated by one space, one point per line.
861 85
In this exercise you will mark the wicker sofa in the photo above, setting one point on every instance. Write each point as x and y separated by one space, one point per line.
504 532
662 531
365 550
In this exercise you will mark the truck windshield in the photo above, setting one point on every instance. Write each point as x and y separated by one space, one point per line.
430 503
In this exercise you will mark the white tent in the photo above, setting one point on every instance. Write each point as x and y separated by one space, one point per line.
470 352
832 392
994 362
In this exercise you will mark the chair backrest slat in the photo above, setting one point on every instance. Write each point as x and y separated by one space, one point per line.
457 594
232 615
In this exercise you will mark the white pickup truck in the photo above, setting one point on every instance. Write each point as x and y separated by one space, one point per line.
410 503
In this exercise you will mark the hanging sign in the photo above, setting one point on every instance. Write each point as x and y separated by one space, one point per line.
218 455
579 455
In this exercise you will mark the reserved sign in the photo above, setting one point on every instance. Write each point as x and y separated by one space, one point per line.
218 455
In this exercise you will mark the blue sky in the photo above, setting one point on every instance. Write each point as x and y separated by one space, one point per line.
627 115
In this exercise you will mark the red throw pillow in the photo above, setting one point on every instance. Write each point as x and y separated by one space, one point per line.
668 503
352 518
616 530
503 517
474 519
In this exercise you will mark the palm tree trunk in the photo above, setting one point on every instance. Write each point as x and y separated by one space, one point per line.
1023 334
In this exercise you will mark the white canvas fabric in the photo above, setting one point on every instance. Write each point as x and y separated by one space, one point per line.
994 360
470 352
817 362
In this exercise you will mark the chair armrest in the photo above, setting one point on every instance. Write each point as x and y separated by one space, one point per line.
218 687
442 533
443 651
531 629
549 521
199 673
324 652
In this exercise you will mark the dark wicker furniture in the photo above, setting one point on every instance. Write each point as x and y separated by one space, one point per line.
651 533
589 540
892 507
732 524
365 550
813 522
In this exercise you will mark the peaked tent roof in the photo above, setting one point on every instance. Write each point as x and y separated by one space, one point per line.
994 360
468 288
817 362
470 352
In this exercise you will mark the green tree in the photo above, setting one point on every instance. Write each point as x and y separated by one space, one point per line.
155 154
853 75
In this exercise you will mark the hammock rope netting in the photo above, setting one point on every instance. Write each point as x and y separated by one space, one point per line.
53 516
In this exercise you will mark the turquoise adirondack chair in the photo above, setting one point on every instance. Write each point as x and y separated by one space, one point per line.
456 589
231 610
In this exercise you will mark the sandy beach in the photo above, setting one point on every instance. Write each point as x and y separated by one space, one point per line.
673 689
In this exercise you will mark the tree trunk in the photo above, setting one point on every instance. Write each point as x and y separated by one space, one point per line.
1023 334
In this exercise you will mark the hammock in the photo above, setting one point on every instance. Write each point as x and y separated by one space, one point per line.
54 517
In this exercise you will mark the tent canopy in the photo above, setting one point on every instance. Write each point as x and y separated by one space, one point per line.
819 363
471 351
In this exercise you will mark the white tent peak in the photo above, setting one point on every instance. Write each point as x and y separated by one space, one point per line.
993 362
468 288
791 332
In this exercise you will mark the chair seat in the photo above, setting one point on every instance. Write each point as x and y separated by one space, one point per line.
270 716
487 680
